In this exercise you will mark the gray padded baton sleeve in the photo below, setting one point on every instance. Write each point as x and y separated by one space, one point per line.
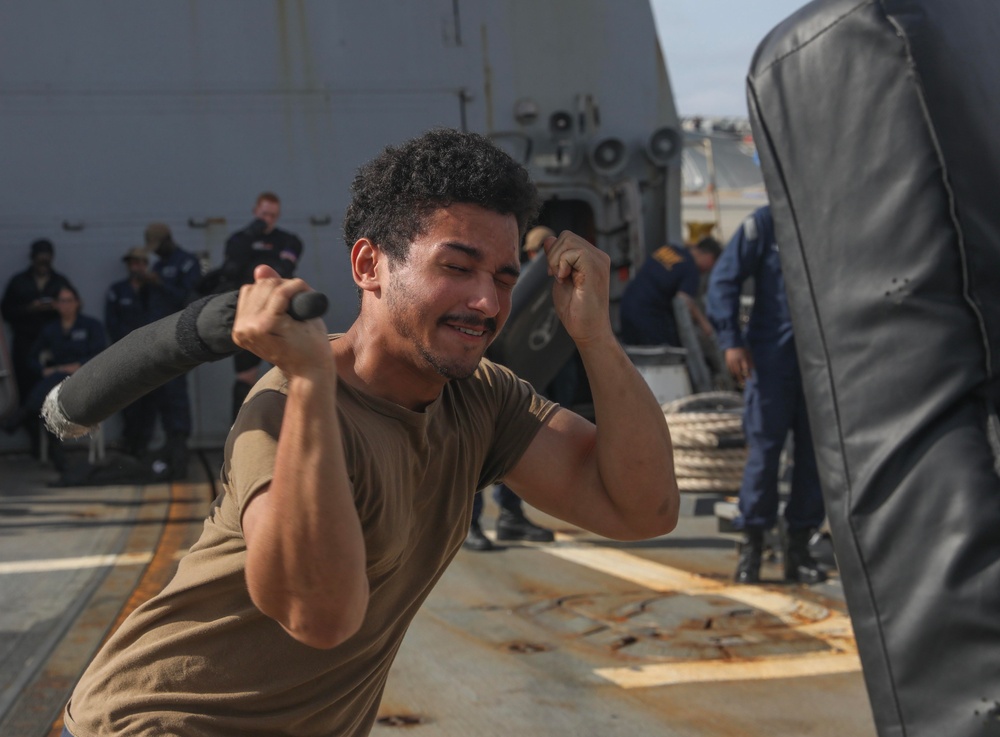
140 362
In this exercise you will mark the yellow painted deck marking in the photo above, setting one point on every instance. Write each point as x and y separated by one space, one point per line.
832 627
672 674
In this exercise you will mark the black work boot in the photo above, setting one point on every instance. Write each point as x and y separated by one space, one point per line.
515 526
57 453
177 456
170 462
476 540
800 566
751 549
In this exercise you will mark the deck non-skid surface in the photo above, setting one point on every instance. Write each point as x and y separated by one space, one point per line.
581 637
73 562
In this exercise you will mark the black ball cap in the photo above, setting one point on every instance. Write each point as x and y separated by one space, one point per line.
42 245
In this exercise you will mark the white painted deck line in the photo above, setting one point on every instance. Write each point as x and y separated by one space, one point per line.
73 564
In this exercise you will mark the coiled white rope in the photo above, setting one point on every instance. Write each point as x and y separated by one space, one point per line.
709 446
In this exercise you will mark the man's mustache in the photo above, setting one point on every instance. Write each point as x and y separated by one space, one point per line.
475 322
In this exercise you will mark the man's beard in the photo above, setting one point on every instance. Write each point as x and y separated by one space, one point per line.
401 306
449 370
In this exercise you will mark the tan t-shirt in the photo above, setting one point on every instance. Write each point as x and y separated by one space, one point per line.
200 659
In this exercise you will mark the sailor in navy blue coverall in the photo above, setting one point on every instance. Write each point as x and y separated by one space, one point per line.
176 273
646 309
261 242
774 404
130 304
63 345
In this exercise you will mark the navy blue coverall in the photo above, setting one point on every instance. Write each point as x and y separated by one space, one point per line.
179 272
247 249
647 309
26 324
54 347
125 309
774 402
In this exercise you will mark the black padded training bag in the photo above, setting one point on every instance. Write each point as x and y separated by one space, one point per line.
878 126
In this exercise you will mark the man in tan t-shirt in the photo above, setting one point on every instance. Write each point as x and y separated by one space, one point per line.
349 474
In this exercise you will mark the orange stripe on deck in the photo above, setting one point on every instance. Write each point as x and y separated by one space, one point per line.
160 569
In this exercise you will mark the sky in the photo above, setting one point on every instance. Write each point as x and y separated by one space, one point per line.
708 45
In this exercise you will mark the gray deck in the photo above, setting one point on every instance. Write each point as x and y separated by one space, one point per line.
582 637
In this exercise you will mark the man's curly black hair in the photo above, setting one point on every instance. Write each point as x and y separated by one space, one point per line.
395 193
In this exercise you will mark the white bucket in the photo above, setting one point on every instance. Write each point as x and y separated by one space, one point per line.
664 369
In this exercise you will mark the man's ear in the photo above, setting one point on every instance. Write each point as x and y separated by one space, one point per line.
366 265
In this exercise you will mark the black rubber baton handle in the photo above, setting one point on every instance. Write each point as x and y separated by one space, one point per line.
307 305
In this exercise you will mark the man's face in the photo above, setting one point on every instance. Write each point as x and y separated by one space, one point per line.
703 261
452 295
269 212
67 304
41 262
136 266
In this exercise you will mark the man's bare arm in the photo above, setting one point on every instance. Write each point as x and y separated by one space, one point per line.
305 549
696 314
616 479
